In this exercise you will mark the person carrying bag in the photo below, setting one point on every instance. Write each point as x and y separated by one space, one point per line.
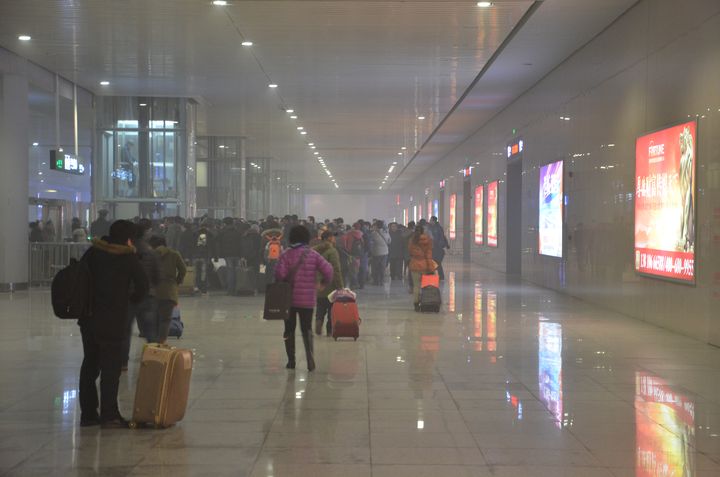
295 276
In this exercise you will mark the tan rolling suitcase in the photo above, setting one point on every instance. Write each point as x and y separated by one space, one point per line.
163 386
187 287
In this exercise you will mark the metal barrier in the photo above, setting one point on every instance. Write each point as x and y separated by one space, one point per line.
45 259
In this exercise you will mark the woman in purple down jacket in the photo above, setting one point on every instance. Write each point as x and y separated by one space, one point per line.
305 288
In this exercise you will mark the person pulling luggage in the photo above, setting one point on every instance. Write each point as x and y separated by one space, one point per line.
306 263
327 249
172 274
421 260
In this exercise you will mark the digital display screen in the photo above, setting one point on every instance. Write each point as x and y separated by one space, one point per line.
550 368
436 208
453 211
479 195
492 214
550 210
665 202
665 429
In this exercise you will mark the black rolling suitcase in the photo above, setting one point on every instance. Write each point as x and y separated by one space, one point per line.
430 299
245 280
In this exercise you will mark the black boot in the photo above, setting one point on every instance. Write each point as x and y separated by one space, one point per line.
309 352
290 350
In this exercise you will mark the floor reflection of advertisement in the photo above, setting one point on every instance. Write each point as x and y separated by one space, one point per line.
665 201
550 368
492 321
665 423
550 210
477 318
479 215
492 214
453 212
451 292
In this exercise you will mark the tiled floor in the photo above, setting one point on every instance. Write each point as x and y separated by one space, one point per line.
508 380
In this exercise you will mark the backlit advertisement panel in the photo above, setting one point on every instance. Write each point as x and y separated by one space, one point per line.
665 429
665 201
550 368
492 214
436 208
453 212
550 210
415 217
429 209
479 236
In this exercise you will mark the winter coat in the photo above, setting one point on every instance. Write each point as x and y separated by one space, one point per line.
187 244
330 253
349 238
150 262
204 246
407 233
380 243
172 236
397 250
251 248
440 243
228 242
113 269
421 257
172 273
304 283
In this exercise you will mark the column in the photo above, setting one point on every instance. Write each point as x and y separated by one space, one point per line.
14 157
243 180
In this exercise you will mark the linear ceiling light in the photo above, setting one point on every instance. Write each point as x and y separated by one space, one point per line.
24 38
247 43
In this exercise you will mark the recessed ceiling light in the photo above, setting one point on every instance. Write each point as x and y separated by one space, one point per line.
484 4
221 146
421 117
303 132
312 147
219 3
247 43
316 153
403 148
300 128
395 163
35 144
143 105
104 83
272 85
24 38
289 111
52 191
311 144
400 153
293 116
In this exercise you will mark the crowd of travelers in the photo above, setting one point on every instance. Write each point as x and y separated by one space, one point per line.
138 266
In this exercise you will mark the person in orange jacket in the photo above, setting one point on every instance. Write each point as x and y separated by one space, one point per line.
421 259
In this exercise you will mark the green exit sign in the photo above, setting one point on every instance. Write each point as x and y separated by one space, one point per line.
66 162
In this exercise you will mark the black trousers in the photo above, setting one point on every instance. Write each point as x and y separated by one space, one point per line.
306 316
101 358
396 268
324 307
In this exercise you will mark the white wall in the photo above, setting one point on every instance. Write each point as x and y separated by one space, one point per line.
350 207
656 65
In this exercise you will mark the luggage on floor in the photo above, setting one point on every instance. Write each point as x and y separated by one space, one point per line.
429 280
188 285
345 320
176 325
245 280
430 299
163 386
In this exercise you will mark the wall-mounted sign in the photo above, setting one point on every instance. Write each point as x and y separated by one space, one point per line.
479 236
467 172
453 215
492 214
397 199
442 184
66 162
665 202
514 149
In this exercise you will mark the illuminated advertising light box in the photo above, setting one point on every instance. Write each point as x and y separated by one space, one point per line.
550 210
453 211
550 368
66 162
436 208
405 216
415 216
429 209
420 215
665 429
479 215
492 214
665 202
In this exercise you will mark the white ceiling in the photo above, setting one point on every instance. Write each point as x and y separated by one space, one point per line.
358 73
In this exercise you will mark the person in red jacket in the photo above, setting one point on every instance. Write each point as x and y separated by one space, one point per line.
306 263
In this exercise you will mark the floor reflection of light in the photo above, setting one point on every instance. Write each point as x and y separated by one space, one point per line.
67 401
492 321
451 286
665 424
421 424
477 318
550 368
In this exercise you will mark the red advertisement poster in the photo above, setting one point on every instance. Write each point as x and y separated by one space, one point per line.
453 210
492 214
665 201
479 236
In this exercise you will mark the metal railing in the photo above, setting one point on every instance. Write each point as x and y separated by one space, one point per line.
46 259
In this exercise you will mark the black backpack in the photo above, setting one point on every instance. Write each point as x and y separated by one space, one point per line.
70 291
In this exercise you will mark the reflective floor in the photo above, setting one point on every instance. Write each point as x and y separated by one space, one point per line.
508 380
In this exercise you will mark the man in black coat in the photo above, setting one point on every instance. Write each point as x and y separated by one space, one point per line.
228 247
114 267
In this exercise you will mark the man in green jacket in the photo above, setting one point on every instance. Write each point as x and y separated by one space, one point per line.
172 273
327 249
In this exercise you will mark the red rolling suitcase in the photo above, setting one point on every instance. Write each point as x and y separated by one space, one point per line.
345 320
